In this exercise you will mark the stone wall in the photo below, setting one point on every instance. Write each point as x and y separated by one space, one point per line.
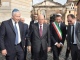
78 11
7 6
48 10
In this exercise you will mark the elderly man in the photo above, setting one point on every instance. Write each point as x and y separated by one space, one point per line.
40 39
12 37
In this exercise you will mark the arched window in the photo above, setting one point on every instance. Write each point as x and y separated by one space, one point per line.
72 5
43 12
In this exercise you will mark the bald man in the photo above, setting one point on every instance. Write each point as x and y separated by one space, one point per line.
40 38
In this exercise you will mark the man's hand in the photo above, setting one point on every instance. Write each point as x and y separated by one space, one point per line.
58 45
4 52
29 48
61 44
49 49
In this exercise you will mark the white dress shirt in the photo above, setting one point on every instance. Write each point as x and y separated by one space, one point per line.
35 21
17 25
42 26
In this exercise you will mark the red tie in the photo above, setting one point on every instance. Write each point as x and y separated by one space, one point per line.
40 31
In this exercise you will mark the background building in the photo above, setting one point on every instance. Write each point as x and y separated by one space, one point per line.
71 8
49 7
6 7
78 10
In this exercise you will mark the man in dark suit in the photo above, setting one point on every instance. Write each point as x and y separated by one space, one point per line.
78 38
58 34
26 30
67 49
73 37
12 37
32 22
40 39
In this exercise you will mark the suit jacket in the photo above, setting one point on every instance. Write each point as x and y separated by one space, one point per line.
30 28
32 22
7 36
54 36
26 31
77 32
36 40
69 36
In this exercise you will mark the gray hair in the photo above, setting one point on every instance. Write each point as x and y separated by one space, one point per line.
14 11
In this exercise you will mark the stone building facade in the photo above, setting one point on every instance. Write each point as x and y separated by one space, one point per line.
49 7
71 8
6 7
78 10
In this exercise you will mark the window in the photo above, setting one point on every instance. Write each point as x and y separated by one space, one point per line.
0 2
43 12
72 5
69 11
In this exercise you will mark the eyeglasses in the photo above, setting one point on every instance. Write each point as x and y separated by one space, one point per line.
69 21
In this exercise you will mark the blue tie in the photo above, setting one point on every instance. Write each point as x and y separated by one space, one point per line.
16 31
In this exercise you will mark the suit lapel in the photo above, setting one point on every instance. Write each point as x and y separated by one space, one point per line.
37 29
11 25
70 30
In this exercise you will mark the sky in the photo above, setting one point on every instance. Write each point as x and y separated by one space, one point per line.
60 1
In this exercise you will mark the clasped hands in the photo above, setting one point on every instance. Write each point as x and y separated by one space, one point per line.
59 45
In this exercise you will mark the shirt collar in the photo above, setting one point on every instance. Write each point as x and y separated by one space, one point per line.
40 25
13 22
75 23
35 21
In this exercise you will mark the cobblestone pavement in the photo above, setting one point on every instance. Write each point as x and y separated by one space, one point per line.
50 56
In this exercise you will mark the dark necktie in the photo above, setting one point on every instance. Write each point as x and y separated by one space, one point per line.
73 34
40 31
16 31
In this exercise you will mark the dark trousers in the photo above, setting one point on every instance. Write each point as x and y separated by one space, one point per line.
25 53
79 54
56 52
40 54
74 52
67 53
32 53
19 54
